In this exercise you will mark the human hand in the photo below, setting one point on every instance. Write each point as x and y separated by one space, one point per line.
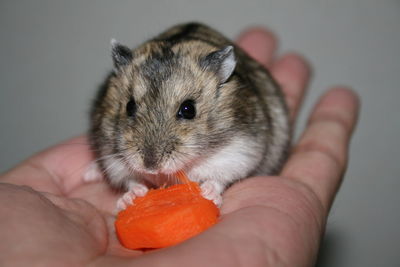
265 221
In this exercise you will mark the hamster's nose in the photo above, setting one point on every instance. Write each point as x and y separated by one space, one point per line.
150 159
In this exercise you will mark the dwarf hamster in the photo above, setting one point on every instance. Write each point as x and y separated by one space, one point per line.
190 100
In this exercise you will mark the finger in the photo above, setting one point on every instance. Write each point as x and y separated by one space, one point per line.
292 73
259 43
56 170
319 159
67 162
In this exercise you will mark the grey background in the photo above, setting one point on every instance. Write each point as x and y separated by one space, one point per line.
54 53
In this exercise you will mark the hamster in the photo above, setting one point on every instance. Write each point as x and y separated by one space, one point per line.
191 100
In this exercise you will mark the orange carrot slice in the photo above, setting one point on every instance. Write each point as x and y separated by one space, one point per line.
165 217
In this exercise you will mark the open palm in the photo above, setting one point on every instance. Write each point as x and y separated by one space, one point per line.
266 221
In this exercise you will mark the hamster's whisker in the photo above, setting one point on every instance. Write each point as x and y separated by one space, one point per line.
105 157
197 145
111 164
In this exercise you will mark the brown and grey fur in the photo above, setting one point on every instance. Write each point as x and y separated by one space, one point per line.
241 127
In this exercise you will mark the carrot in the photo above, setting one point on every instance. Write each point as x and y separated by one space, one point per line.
166 216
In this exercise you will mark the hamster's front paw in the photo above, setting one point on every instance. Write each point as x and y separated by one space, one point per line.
137 190
212 191
92 173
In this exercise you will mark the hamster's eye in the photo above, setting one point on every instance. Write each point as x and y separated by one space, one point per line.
187 110
131 108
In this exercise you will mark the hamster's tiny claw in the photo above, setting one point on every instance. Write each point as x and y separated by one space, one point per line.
127 198
92 173
211 191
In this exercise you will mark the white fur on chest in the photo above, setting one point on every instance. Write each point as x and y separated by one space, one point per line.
233 162
241 156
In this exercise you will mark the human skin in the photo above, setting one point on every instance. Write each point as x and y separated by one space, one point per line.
50 217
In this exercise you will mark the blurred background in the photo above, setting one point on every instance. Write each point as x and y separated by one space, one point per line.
54 54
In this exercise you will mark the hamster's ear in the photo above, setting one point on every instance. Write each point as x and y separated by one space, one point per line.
121 54
222 62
